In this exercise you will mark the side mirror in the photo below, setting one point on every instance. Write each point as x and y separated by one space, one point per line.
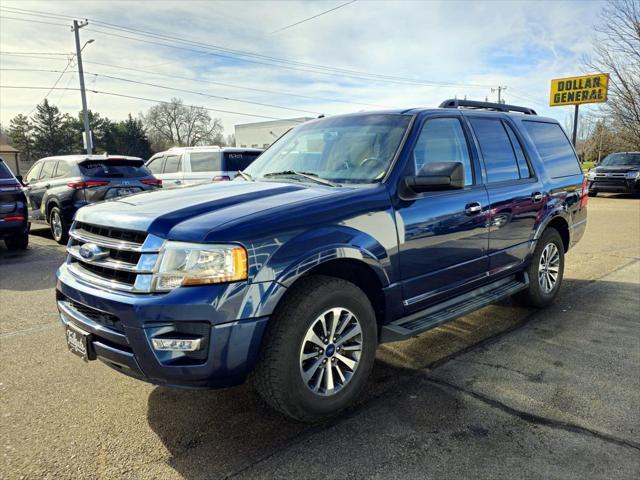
20 179
436 176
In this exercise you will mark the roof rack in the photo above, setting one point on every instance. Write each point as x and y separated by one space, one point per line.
498 107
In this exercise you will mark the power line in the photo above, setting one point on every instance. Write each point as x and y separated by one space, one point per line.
55 84
128 80
33 53
312 17
114 94
229 85
239 54
30 20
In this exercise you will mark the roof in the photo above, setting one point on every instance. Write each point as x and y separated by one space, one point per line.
205 148
5 148
274 123
81 158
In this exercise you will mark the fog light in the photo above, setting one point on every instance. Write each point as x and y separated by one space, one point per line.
176 344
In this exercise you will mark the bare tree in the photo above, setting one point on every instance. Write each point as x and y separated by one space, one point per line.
175 124
617 52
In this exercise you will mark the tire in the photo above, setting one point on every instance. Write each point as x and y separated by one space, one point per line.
593 194
59 228
278 376
18 241
538 294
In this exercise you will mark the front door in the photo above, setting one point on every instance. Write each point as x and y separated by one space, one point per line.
443 236
36 190
516 195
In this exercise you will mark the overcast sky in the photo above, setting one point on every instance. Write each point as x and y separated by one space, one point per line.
426 52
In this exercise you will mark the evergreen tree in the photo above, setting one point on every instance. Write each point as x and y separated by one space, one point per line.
50 131
21 134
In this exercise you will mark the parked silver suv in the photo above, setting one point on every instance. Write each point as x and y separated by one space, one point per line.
190 165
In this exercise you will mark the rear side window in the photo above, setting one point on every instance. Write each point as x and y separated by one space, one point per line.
47 170
63 170
234 161
172 165
5 172
443 140
554 148
205 162
497 151
523 165
114 168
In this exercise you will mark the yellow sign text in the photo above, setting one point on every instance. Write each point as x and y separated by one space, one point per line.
578 90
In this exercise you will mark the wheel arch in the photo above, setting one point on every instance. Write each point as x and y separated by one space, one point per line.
557 221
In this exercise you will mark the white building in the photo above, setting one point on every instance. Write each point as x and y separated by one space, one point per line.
263 134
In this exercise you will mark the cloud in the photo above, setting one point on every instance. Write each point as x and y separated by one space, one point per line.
521 45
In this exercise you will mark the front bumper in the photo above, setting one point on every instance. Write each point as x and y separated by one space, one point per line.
618 185
121 326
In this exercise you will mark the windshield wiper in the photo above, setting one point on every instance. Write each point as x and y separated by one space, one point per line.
246 176
307 175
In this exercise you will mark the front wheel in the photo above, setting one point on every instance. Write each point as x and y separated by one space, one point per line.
319 349
545 271
59 228
593 193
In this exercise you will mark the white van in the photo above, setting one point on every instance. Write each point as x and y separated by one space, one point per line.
189 165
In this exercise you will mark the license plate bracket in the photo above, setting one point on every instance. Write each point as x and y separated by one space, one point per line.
79 342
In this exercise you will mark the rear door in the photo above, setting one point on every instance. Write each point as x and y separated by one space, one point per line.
203 167
515 192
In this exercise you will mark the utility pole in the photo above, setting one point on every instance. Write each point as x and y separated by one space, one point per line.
87 130
575 126
500 89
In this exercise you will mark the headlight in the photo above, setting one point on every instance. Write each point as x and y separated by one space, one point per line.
591 175
183 264
633 175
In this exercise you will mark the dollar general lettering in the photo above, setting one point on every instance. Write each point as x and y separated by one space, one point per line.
579 90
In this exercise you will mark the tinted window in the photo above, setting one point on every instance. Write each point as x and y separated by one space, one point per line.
47 170
155 166
443 140
234 161
5 172
554 149
205 161
114 168
172 165
497 151
523 166
32 176
63 170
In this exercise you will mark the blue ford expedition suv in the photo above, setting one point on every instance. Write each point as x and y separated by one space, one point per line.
348 232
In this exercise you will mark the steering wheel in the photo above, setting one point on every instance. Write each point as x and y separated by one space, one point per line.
371 162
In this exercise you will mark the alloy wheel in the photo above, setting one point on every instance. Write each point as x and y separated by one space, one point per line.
549 268
56 224
331 351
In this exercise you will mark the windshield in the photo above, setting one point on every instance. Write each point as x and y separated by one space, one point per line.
114 168
5 173
621 159
350 149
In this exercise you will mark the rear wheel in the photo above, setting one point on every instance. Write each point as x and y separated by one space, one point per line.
545 271
18 241
59 228
319 349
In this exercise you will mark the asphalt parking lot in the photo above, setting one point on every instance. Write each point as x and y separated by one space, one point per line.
506 392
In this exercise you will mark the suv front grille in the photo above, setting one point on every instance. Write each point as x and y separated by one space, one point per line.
125 259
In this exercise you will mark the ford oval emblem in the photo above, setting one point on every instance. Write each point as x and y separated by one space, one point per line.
91 252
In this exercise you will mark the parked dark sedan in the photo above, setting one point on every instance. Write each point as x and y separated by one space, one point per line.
14 226
616 173
56 187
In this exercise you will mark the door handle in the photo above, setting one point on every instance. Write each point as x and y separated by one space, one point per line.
536 196
47 185
178 182
473 208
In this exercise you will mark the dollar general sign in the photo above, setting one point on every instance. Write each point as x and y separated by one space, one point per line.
579 90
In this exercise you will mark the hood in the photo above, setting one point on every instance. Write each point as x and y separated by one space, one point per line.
160 211
617 169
